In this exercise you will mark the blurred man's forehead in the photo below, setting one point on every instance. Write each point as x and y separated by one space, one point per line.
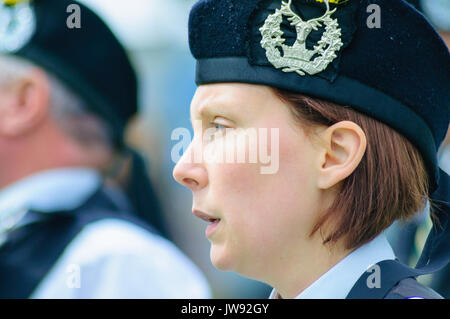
11 69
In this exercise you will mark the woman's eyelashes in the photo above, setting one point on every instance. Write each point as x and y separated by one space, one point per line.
219 127
221 124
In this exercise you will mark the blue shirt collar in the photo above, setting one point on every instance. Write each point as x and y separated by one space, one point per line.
337 282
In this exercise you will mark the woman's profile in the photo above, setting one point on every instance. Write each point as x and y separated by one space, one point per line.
352 115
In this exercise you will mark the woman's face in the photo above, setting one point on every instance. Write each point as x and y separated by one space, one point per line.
260 220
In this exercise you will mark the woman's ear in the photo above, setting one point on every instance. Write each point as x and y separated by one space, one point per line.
24 103
342 148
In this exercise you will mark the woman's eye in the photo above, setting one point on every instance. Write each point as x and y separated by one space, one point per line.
219 131
219 127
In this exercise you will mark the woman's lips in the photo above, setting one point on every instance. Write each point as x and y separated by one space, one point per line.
211 228
214 222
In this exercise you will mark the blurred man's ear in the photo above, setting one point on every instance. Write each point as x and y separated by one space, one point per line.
24 104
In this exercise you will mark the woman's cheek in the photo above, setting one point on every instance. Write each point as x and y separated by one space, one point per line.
259 210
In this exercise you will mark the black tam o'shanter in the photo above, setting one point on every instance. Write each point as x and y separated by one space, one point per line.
397 72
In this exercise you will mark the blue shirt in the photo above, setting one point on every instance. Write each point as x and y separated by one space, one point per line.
110 258
337 282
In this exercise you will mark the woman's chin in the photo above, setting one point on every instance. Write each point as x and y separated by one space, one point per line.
220 259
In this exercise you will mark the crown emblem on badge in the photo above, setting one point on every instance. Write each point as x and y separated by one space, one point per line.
297 58
17 24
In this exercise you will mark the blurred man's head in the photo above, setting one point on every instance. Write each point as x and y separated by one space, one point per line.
43 124
88 58
76 111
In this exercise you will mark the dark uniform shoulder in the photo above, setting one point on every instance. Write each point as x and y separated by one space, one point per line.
409 288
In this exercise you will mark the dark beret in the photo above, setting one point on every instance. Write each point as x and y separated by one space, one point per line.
89 59
398 73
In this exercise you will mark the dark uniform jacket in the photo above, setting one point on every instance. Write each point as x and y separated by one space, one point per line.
33 247
409 288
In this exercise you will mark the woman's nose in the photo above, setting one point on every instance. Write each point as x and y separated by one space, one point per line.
190 174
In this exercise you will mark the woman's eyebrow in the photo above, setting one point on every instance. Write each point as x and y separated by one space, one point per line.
208 110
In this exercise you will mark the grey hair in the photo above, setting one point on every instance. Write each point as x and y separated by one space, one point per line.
67 109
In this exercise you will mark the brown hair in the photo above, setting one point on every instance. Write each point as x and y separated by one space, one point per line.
390 182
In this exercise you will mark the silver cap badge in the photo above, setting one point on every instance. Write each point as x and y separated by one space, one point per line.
297 58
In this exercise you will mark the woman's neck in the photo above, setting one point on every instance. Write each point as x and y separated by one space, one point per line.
304 267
